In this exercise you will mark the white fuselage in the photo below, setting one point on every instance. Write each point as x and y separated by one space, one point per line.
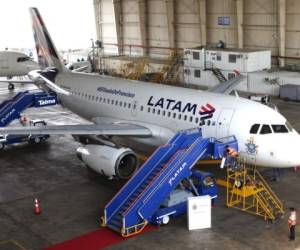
166 110
14 63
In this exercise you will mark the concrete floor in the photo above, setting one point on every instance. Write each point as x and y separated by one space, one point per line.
72 200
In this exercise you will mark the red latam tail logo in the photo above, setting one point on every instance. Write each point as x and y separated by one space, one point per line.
207 111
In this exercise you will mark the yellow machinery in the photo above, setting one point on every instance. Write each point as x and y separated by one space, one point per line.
248 191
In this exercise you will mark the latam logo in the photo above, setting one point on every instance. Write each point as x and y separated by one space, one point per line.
47 102
175 175
207 111
8 115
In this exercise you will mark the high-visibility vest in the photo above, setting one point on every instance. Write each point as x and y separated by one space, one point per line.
292 219
232 152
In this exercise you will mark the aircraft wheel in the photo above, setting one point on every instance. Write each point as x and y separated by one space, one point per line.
11 86
37 140
165 220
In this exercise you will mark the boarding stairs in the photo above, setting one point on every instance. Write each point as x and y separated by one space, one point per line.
248 191
132 207
11 109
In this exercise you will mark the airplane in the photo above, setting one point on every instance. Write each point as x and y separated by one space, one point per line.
132 116
13 63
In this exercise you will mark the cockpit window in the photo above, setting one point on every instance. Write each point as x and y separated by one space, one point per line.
279 129
265 130
23 59
254 129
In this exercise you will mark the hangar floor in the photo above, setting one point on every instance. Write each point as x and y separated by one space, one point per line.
72 199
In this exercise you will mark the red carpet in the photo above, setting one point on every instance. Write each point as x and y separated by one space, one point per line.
95 240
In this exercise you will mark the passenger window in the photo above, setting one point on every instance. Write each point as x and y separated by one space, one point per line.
103 100
158 112
148 110
100 100
142 108
112 102
117 102
265 130
97 98
129 105
208 123
213 123
179 116
153 111
124 104
164 113
254 129
121 103
197 120
191 118
185 117
279 129
169 114
202 123
108 100
174 115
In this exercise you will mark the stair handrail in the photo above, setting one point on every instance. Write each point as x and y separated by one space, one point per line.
156 177
263 204
134 175
268 188
170 171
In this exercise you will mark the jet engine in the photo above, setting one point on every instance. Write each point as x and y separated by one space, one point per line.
109 161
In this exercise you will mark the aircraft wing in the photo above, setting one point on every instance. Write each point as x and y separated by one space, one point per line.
228 86
17 81
81 129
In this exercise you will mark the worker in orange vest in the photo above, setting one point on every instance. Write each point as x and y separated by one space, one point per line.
232 155
292 221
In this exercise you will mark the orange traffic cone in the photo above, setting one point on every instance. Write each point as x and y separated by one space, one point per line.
37 209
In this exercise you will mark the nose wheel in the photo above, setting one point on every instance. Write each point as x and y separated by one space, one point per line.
11 86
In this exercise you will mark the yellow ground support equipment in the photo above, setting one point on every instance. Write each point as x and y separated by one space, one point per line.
248 191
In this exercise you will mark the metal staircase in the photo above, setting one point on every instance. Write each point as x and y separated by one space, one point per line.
248 191
217 72
11 109
132 207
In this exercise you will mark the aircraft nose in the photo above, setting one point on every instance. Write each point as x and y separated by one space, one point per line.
292 151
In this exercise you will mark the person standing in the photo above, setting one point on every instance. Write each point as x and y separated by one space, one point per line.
292 221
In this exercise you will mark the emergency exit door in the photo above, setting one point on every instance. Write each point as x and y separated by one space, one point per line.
223 124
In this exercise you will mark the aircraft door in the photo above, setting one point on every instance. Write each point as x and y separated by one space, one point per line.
223 123
4 61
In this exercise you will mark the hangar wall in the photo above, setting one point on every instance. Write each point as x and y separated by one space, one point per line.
258 24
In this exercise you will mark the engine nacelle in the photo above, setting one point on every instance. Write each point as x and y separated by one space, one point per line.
109 161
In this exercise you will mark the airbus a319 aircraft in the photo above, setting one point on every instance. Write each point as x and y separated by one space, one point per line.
13 63
131 115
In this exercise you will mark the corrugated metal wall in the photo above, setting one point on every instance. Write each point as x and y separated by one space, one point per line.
260 23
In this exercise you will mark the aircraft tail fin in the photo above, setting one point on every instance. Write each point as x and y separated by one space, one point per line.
45 48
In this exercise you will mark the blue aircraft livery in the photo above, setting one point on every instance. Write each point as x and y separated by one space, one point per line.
205 111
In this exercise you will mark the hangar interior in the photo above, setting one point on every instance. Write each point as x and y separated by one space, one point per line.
97 161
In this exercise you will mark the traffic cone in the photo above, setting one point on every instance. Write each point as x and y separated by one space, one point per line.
37 209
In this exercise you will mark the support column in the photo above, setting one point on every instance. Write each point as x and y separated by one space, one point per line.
118 22
98 18
282 30
170 20
202 19
240 21
143 25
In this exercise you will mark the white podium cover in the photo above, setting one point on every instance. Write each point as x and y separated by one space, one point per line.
199 212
